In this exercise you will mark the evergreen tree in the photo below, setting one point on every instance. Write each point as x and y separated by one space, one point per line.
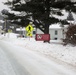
70 17
40 11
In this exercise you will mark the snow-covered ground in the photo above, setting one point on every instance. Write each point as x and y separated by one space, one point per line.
5 66
20 51
55 49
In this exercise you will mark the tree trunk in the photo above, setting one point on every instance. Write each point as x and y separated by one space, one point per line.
46 31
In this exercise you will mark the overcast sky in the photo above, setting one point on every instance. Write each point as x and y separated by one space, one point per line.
2 6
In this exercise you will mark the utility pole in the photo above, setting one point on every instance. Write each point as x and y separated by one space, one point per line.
4 12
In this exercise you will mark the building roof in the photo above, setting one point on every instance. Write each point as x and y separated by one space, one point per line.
56 26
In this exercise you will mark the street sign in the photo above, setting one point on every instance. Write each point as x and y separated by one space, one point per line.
9 30
29 28
42 37
29 34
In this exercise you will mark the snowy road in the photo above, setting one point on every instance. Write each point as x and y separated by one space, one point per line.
25 62
5 66
8 64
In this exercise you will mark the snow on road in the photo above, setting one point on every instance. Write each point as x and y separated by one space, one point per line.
34 63
27 54
8 64
5 65
63 53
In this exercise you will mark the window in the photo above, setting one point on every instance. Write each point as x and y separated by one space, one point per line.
56 32
34 32
55 38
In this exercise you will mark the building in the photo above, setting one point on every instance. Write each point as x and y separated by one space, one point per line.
63 0
57 32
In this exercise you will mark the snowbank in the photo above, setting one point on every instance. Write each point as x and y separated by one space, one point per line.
54 49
